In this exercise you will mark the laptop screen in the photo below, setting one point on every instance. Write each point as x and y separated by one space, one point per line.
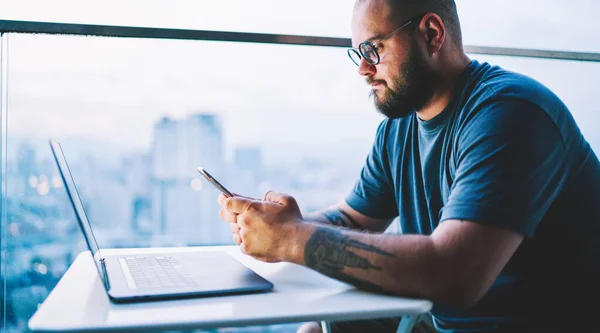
73 194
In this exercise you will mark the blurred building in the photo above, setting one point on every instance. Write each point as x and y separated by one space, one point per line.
137 171
247 172
106 197
184 207
25 175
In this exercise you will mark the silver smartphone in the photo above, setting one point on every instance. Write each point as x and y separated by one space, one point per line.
215 182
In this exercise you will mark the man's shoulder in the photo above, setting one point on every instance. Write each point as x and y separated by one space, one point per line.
493 84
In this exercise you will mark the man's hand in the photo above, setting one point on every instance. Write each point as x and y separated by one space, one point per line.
261 228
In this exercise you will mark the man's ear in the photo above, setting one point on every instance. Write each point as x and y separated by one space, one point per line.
434 30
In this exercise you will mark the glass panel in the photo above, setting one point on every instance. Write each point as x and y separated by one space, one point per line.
136 117
535 24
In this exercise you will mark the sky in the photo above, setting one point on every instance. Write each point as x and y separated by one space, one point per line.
268 95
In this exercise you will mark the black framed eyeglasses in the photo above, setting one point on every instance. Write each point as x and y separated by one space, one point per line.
368 50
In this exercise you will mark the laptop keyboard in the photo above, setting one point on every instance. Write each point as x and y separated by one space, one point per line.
158 272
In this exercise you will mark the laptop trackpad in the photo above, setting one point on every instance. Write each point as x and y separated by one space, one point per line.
214 268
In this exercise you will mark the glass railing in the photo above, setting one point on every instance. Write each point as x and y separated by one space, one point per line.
136 116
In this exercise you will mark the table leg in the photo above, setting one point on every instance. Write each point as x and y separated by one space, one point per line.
407 323
325 327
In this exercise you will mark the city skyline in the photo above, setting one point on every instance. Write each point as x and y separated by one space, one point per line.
120 200
127 196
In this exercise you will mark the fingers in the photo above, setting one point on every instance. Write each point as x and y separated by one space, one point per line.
237 239
237 205
280 198
235 233
266 196
221 199
226 213
228 216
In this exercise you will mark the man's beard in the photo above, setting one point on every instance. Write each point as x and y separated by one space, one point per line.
413 88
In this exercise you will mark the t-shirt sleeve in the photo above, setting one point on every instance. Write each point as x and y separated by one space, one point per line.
511 165
373 193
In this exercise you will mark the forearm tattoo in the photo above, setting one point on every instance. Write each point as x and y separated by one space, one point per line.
336 217
329 251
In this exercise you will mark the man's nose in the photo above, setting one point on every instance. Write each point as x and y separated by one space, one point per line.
365 68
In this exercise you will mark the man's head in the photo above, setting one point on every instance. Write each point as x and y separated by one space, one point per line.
411 59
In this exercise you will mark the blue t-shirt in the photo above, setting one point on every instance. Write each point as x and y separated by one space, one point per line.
505 152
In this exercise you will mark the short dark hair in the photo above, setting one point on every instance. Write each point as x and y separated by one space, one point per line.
446 9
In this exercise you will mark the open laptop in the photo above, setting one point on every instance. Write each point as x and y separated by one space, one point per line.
158 276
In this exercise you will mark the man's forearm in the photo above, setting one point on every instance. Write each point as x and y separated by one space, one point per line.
403 265
335 217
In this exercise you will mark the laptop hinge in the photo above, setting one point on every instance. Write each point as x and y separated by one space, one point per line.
104 273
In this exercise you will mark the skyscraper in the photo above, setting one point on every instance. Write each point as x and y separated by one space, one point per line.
26 166
137 173
184 207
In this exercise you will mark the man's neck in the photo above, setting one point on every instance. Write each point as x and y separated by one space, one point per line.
443 93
